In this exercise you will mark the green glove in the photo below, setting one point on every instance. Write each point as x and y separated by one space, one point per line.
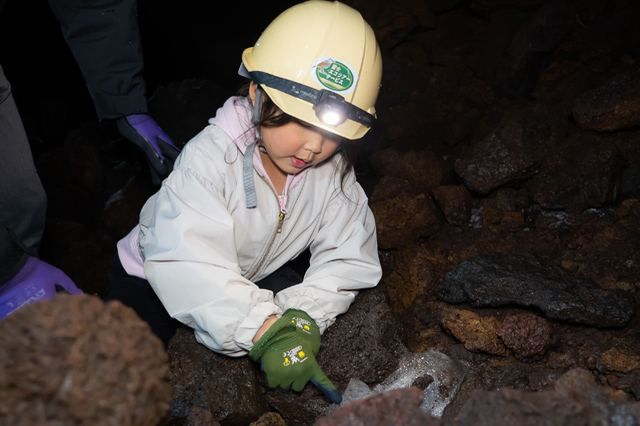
288 361
306 327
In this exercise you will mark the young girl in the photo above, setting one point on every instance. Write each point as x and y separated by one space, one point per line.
262 184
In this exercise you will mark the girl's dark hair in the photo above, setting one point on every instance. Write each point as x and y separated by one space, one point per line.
273 116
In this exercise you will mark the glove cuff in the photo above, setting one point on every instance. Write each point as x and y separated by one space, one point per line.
282 324
298 313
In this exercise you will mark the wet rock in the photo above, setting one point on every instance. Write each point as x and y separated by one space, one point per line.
455 202
501 280
585 383
630 180
620 360
562 81
269 419
363 343
405 218
298 409
412 275
630 383
394 22
200 417
453 42
484 5
423 381
513 151
561 360
527 335
230 388
401 105
479 334
78 360
612 106
421 170
576 399
518 72
576 175
395 407
504 207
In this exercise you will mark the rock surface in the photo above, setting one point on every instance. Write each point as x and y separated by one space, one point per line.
505 280
395 407
77 360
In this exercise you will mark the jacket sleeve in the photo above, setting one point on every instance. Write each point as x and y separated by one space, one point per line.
344 258
191 263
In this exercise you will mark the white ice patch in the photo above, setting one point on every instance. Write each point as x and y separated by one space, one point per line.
447 376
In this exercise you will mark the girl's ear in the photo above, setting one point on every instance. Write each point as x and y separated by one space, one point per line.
252 92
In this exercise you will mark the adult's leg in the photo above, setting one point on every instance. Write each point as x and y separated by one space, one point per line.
104 37
23 201
12 257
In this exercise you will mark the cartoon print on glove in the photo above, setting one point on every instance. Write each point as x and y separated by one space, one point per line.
294 356
302 323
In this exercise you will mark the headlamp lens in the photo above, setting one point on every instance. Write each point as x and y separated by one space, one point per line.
331 108
332 118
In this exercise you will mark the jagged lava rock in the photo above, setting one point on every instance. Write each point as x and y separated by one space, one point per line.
526 334
230 388
614 105
394 407
576 400
479 334
78 360
496 280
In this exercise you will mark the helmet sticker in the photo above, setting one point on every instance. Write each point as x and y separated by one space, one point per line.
334 75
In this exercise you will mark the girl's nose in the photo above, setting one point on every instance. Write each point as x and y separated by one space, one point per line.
314 144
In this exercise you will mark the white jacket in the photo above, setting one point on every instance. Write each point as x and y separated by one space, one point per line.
203 248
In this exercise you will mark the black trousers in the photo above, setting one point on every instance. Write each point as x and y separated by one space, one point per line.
104 37
23 201
138 294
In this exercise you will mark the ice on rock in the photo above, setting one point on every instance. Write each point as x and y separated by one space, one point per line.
447 376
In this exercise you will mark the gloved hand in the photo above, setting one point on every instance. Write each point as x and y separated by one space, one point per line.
143 131
287 360
306 327
36 280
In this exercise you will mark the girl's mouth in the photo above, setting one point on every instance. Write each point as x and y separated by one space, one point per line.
298 163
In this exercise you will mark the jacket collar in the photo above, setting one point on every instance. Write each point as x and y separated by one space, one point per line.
234 117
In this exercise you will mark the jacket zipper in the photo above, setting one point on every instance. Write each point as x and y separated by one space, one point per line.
278 230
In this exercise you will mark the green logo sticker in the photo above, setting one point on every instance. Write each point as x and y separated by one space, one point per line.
334 75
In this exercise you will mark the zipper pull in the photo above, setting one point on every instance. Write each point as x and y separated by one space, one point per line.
280 222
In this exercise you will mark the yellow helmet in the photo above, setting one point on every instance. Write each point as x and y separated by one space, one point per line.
320 63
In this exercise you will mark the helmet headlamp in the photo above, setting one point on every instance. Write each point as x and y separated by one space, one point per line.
330 107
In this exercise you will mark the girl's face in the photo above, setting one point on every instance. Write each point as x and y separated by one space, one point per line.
293 147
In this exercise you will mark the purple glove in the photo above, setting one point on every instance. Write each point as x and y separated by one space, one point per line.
35 281
146 134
